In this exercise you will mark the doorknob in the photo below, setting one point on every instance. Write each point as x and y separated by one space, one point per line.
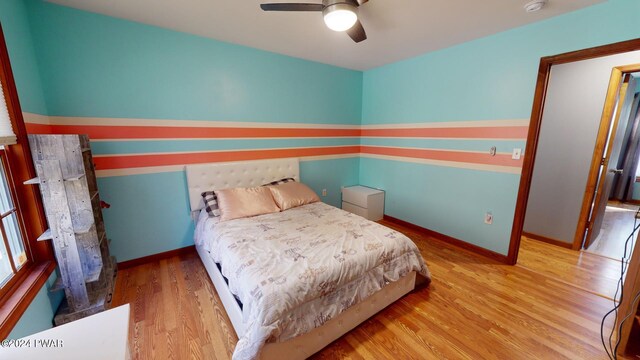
616 171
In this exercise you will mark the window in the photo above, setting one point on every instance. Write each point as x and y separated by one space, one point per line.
13 256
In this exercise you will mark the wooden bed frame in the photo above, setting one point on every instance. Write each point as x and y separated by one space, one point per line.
217 176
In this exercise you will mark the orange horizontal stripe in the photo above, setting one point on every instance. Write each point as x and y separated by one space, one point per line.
136 161
445 155
149 160
38 128
496 132
174 132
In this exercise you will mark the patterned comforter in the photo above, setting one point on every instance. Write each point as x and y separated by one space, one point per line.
297 269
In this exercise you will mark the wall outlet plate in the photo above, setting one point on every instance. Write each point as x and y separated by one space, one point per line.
488 218
517 153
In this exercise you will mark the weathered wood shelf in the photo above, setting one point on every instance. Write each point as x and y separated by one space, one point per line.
82 228
57 285
94 275
74 177
91 277
36 180
45 235
67 181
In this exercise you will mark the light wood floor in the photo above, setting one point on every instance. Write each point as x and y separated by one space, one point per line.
616 226
475 308
590 272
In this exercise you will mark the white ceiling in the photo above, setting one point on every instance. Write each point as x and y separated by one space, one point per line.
396 29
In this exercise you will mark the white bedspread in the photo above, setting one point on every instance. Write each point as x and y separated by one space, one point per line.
297 269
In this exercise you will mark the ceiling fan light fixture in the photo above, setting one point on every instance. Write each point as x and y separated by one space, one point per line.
534 5
340 17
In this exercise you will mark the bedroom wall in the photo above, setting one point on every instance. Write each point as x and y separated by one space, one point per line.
17 33
39 315
153 100
446 181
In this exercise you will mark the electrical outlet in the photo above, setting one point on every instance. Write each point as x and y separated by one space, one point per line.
488 218
517 153
324 192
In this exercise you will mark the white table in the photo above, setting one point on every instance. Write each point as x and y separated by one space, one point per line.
101 336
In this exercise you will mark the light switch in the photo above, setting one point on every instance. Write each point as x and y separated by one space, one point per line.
517 153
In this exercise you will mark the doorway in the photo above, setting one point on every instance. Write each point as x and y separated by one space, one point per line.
618 209
583 194
580 155
605 224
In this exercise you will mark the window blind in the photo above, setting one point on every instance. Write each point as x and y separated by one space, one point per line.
7 136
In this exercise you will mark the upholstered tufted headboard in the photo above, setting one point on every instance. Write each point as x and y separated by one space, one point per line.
218 176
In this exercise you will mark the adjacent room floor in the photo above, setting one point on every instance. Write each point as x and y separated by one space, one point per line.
616 227
546 307
592 273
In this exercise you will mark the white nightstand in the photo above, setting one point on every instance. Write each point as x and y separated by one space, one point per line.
363 201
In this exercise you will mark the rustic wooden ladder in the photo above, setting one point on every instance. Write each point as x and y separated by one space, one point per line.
68 186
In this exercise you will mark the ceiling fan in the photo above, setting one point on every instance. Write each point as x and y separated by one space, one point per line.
339 15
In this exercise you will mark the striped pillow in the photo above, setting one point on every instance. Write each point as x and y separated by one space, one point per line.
280 182
211 203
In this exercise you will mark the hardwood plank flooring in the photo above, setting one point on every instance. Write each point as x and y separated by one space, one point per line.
475 308
590 272
616 226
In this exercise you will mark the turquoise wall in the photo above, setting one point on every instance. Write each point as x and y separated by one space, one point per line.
143 224
97 66
17 33
39 315
492 78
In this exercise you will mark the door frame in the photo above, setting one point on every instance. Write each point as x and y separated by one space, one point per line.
544 72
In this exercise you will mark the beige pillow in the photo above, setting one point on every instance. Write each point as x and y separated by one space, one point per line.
293 194
245 202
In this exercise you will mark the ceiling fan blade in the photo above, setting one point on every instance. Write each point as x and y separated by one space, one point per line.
291 7
361 2
357 32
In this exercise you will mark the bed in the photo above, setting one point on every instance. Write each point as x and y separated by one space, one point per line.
282 302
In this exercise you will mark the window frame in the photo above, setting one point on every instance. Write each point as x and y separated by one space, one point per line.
18 273
27 282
